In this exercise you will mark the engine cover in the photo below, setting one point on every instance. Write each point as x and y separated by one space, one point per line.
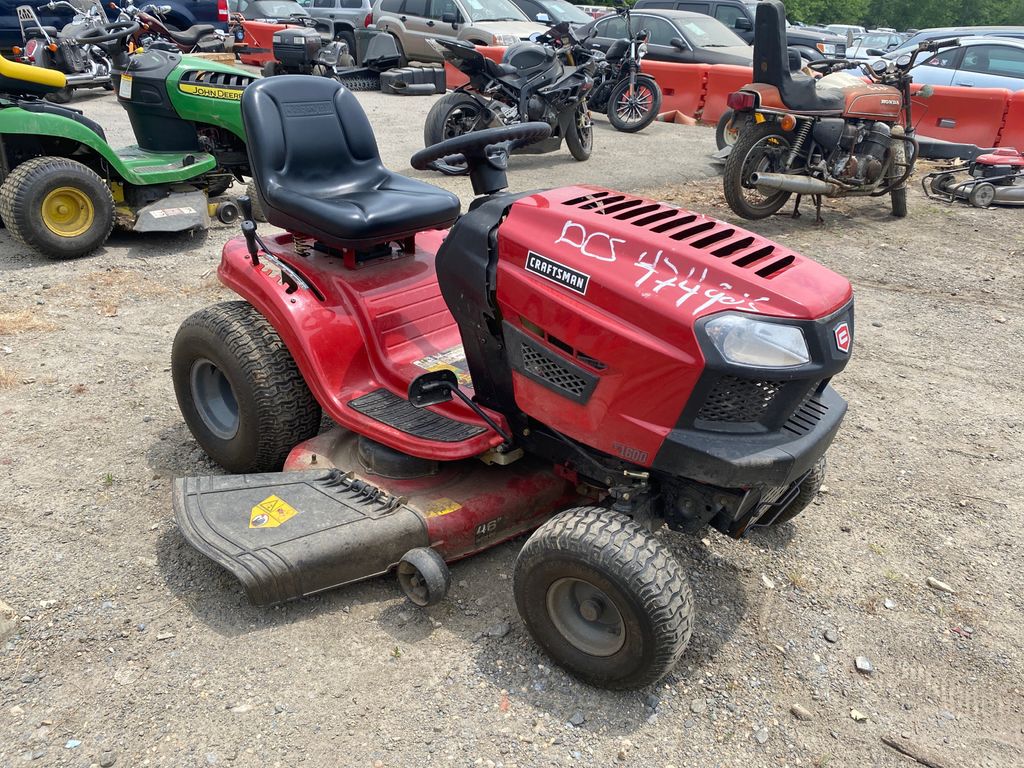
601 295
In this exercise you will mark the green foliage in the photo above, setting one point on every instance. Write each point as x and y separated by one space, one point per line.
907 14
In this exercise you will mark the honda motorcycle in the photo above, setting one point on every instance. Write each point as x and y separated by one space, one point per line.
83 65
630 99
535 82
839 135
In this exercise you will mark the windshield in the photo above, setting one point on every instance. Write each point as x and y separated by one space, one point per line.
276 9
874 41
709 33
493 10
560 11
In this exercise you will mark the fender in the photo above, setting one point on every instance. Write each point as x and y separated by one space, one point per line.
15 121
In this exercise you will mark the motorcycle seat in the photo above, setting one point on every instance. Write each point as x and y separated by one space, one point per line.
499 70
315 162
798 91
191 35
51 31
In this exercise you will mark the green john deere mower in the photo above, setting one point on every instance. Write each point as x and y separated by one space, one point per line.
64 187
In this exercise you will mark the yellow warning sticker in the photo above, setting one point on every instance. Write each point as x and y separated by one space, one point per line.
439 507
271 512
453 360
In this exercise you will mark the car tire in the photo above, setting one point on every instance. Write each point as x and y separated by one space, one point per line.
349 38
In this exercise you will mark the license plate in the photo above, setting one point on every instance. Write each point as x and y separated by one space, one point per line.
124 91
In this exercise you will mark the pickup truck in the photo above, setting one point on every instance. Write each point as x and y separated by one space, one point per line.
738 15
183 14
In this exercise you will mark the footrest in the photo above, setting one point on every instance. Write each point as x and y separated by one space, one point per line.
388 408
286 535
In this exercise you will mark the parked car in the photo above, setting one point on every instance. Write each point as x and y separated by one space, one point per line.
679 36
812 43
980 62
481 22
845 30
595 11
873 41
182 15
550 12
944 33
344 16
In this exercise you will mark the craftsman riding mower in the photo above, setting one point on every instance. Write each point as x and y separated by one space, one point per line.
64 187
582 360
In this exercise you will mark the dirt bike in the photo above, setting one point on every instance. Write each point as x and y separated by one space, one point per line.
630 99
536 82
83 65
837 136
153 29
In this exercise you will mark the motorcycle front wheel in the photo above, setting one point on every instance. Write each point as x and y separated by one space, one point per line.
63 96
580 136
760 148
454 115
633 109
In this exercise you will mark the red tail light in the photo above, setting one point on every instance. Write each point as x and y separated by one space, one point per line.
741 101
30 49
222 10
368 21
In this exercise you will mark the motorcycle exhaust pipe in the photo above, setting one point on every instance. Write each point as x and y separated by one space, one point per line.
86 79
801 185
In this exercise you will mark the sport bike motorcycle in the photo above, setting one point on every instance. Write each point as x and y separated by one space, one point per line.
535 82
836 136
631 100
84 65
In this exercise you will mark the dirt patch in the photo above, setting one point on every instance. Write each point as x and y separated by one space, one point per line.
132 647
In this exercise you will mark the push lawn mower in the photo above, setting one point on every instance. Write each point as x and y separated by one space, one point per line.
64 186
996 178
579 359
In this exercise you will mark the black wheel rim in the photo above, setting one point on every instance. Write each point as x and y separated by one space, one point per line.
412 583
767 155
586 617
461 120
633 105
214 399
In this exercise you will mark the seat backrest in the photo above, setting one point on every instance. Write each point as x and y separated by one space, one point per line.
311 131
771 59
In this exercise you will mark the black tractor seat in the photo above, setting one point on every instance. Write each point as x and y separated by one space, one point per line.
315 162
798 91
47 108
51 31
191 35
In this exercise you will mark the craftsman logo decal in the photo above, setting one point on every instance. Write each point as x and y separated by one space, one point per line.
271 513
843 338
211 91
557 273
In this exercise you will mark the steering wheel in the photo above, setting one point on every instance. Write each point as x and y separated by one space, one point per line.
460 155
105 33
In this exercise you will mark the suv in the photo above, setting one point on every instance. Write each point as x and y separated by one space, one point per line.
345 16
183 14
481 22
738 15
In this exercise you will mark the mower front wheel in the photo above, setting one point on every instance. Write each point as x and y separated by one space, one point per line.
240 391
604 597
57 206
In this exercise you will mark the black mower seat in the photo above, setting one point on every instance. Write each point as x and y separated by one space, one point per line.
798 91
191 35
51 31
47 108
315 162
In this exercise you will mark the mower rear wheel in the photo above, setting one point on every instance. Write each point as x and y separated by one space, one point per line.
258 214
808 492
57 206
240 391
604 597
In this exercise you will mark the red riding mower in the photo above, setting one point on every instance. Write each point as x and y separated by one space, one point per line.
581 360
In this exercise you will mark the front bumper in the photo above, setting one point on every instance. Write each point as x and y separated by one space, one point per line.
744 459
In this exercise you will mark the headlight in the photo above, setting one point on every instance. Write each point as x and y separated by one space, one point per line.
826 48
742 340
641 49
503 38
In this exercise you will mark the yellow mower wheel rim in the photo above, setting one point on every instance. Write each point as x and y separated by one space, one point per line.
68 212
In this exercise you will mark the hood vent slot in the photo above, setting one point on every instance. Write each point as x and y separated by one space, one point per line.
677 224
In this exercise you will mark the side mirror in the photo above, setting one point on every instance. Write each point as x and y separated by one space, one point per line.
743 24
875 52
450 18
677 42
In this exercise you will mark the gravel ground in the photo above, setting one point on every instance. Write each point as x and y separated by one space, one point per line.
130 649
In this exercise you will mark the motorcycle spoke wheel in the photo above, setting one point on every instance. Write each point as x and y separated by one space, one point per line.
761 150
633 106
